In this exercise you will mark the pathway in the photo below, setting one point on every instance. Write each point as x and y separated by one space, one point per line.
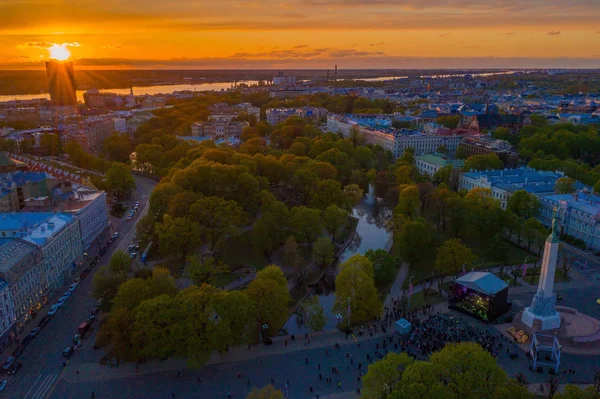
396 288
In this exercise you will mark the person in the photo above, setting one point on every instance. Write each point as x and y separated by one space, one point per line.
339 385
172 394
311 389
93 395
306 360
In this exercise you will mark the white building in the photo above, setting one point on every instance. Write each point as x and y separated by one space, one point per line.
91 210
280 115
7 315
22 268
57 234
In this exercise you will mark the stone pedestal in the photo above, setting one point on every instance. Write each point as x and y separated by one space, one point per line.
540 323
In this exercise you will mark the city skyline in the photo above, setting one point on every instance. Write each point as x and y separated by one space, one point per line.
303 34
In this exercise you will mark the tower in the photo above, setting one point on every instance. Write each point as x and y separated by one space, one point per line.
335 73
61 82
541 314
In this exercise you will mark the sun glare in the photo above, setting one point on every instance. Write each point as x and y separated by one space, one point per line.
59 52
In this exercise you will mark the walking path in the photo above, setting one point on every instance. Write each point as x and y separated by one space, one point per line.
396 289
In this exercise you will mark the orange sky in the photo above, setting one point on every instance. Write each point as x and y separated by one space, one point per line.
299 33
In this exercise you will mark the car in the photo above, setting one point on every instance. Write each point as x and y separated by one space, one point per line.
62 301
94 310
8 363
67 294
137 247
44 321
72 287
53 309
133 255
17 352
137 203
115 236
131 248
129 217
2 385
34 332
27 340
84 274
68 351
15 368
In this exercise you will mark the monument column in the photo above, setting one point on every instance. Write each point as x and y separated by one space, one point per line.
541 315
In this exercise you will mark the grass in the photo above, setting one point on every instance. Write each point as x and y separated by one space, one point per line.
237 252
426 267
533 276
508 279
419 299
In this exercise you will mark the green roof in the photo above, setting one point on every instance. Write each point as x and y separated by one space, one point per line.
439 160
5 160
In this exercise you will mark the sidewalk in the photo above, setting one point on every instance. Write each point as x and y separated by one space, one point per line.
95 371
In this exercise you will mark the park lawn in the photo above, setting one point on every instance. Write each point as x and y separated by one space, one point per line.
559 276
507 279
419 299
426 267
237 251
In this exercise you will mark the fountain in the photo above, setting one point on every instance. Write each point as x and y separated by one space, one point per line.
370 200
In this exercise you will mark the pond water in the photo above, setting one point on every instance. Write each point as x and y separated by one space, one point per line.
371 233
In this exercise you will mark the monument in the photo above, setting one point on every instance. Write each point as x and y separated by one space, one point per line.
542 315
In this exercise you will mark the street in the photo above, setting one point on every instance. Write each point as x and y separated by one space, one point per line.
42 358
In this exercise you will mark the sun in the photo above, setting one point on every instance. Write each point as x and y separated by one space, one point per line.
59 52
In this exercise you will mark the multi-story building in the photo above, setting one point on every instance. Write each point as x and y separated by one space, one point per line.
92 132
27 185
505 182
120 125
26 115
91 210
484 145
9 200
280 115
57 234
378 130
219 126
22 267
7 316
282 80
287 93
61 82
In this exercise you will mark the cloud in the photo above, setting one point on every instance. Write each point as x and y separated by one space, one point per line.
301 46
112 46
553 33
46 45
376 44
304 53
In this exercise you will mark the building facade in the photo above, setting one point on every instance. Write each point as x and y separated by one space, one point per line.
219 126
280 115
22 267
7 316
578 216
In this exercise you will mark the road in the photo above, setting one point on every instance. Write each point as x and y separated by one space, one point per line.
217 380
42 358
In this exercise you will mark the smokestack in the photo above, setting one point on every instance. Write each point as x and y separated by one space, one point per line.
335 73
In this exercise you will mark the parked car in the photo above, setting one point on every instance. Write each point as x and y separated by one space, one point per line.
133 255
2 385
27 340
62 301
116 235
15 368
53 309
83 328
72 287
94 311
129 217
34 332
68 351
8 363
17 352
67 294
84 274
44 321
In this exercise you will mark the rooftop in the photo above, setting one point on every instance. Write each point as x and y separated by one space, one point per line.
35 227
441 160
582 202
13 251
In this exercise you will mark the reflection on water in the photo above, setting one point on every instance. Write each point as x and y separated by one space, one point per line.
371 233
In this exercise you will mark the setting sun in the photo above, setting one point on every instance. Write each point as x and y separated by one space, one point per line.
59 52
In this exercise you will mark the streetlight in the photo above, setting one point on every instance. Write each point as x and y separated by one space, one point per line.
410 288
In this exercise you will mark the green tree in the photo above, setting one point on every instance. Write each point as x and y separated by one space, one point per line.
450 121
451 256
235 321
306 223
131 293
523 204
356 136
383 376
442 149
597 188
483 162
159 325
334 218
178 236
409 202
105 286
442 175
384 266
120 180
326 193
267 392
572 391
50 144
323 251
564 185
218 218
269 293
204 272
120 264
117 147
415 239
355 282
461 153
162 283
533 230
313 313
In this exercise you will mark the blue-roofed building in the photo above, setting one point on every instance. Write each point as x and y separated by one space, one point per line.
26 185
57 234
505 182
578 216
22 267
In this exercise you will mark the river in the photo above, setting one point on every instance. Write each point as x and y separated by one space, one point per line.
159 89
371 233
